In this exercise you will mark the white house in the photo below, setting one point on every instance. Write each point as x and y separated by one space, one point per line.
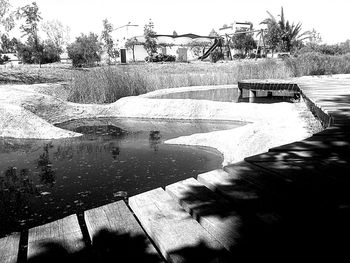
181 46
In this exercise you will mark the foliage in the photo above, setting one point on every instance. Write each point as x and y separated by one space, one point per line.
315 63
3 59
216 55
56 33
160 58
85 51
238 56
322 49
282 35
315 37
130 44
7 45
244 42
150 42
27 54
108 43
30 29
345 47
32 18
105 85
213 33
6 16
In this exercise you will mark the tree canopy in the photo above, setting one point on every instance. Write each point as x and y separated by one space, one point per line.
283 35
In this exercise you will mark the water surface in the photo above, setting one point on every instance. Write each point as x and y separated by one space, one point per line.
43 180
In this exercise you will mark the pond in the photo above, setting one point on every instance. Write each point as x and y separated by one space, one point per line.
42 180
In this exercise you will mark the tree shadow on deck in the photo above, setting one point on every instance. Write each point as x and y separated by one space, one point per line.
107 246
297 201
111 246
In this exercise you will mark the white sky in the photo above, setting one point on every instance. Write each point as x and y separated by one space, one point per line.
330 18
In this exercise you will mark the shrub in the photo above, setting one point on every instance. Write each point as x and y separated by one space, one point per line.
216 55
160 58
85 51
3 59
48 53
238 56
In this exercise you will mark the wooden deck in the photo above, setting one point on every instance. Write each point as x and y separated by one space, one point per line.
289 204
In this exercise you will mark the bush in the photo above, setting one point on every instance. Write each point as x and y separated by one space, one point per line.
238 56
85 51
48 53
160 58
3 59
252 55
216 55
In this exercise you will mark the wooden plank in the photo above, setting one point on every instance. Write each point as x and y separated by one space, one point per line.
232 186
177 235
9 247
66 232
212 211
118 219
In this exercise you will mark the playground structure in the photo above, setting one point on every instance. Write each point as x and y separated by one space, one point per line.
225 40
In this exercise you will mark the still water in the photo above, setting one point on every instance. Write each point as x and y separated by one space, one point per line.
42 180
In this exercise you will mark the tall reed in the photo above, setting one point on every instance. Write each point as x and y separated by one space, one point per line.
108 84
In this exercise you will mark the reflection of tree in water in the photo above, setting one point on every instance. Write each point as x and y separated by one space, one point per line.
115 152
154 140
47 175
15 186
15 183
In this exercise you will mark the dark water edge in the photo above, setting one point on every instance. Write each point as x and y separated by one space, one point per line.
44 180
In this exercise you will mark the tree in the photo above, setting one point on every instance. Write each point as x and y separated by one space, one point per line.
213 33
6 24
108 42
7 21
57 34
315 37
130 44
7 45
30 29
175 34
244 42
150 42
345 46
282 35
85 51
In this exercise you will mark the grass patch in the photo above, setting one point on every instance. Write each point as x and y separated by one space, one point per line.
314 63
107 84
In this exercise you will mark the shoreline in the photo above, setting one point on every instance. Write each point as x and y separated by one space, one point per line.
28 113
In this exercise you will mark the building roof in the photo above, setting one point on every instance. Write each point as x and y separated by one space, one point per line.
189 35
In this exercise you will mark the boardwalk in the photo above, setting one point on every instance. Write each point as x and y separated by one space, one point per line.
287 205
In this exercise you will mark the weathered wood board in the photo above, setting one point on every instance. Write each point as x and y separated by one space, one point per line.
118 219
177 235
212 211
9 247
66 232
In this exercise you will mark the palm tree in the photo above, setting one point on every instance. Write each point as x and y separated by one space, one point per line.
283 35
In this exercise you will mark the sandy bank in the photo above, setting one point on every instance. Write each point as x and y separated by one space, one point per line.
28 111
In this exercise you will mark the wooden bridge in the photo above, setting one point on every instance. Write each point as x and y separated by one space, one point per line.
289 204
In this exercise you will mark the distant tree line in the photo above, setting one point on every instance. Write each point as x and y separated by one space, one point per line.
34 49
87 49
